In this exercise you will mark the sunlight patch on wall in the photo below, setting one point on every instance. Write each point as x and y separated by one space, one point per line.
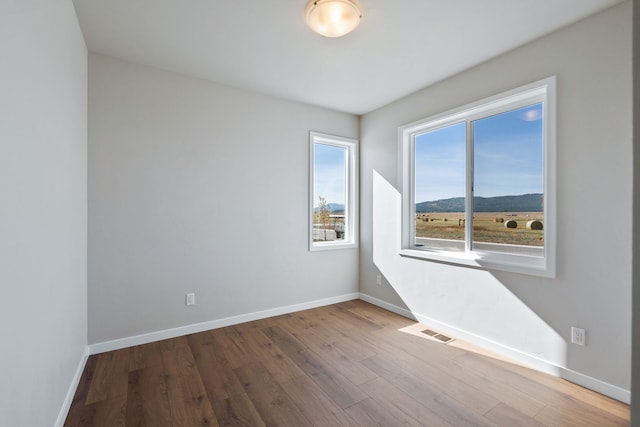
457 299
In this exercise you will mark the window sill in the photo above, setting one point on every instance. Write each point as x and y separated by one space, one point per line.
327 246
522 264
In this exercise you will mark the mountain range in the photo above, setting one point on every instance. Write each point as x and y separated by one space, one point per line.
333 207
522 203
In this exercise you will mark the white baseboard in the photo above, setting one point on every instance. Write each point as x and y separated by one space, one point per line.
518 356
68 400
594 384
214 324
387 306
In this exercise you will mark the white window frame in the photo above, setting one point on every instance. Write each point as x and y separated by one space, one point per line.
351 183
545 265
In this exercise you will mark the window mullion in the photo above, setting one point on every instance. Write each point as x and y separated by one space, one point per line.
468 205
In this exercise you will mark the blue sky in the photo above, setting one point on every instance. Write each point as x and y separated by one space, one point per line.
508 157
329 173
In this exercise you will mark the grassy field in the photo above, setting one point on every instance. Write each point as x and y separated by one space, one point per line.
487 227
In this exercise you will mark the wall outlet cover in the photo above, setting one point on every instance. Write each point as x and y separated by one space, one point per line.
578 336
190 299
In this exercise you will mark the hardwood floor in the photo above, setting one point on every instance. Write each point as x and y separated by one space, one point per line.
349 364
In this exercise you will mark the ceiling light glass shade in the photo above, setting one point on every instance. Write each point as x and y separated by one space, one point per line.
333 18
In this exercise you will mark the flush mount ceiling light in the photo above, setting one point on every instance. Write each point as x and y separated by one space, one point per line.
333 18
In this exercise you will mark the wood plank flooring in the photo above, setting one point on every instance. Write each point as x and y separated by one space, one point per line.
349 364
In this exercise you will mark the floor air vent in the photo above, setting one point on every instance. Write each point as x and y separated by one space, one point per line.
437 335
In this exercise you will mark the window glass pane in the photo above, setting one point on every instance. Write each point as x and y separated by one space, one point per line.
329 192
440 158
508 182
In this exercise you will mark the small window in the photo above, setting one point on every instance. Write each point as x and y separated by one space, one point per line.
478 183
333 192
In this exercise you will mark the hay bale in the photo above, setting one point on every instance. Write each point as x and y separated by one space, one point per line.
498 220
534 224
511 224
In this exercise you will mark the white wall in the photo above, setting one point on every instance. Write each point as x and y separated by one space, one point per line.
592 290
198 187
43 208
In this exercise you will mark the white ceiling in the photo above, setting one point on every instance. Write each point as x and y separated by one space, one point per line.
265 46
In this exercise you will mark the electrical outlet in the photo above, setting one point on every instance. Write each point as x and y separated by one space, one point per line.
190 299
379 280
578 336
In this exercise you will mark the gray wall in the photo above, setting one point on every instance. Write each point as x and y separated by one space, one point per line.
635 381
592 290
198 187
43 208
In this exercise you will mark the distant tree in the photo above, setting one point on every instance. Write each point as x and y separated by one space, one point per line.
323 215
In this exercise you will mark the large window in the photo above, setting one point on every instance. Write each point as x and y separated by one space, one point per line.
333 187
478 183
